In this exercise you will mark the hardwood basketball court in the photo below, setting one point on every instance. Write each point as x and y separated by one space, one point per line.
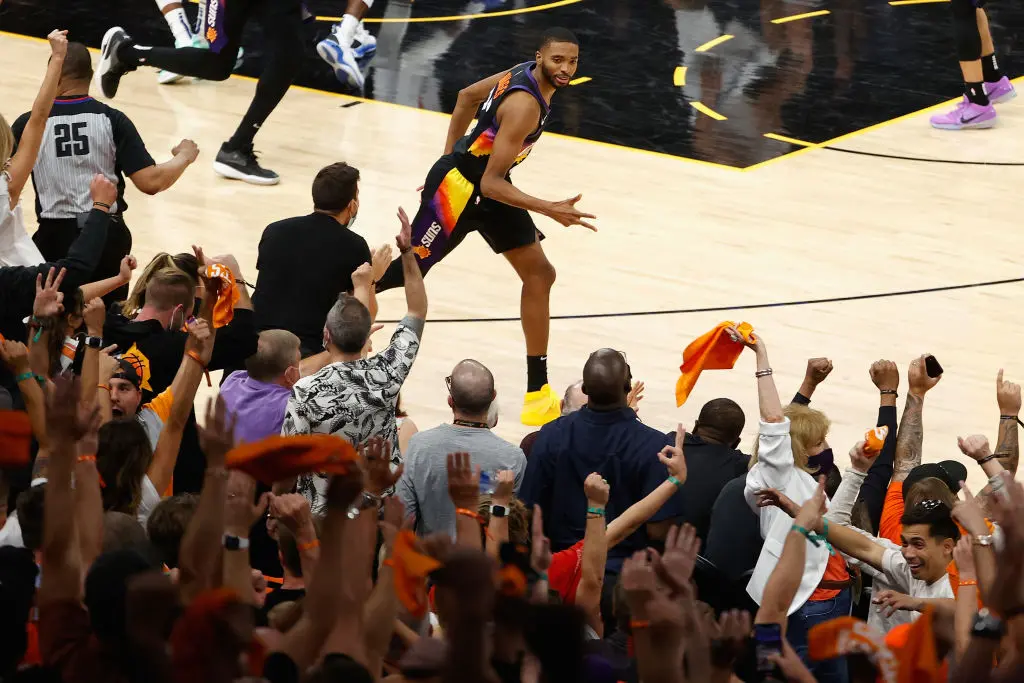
674 234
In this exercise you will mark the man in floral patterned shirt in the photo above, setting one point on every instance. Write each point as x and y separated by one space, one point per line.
352 396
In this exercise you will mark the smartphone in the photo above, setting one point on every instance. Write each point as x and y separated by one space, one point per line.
932 367
767 642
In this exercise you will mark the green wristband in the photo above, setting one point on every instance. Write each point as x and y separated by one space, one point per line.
595 511
675 481
24 376
810 536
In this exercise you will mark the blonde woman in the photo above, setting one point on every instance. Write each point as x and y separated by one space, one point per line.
16 249
792 452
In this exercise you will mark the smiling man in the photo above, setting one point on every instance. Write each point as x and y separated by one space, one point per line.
917 568
469 189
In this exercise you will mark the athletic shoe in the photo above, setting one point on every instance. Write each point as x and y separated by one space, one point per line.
241 164
111 68
540 407
342 60
1000 91
965 115
366 44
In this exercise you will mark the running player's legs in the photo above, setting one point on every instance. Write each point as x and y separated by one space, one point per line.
282 33
447 213
997 84
339 49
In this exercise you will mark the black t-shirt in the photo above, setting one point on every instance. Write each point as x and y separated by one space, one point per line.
734 538
709 467
304 263
83 137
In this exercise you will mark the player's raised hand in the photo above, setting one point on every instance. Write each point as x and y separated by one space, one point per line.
566 213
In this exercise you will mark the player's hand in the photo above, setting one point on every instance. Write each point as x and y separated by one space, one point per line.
187 148
566 213
404 237
58 43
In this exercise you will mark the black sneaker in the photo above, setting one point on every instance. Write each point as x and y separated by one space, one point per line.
111 68
241 164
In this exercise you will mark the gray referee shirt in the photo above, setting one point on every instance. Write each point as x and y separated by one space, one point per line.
83 137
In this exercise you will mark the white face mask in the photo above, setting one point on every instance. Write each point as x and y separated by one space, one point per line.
352 218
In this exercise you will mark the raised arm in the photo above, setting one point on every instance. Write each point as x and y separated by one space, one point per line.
241 513
464 490
292 511
198 350
159 177
885 375
1008 396
818 370
101 288
24 159
382 607
470 98
517 117
201 545
624 525
93 314
969 512
595 551
784 581
910 439
15 356
497 527
415 291
88 496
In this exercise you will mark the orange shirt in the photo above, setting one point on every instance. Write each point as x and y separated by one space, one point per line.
835 570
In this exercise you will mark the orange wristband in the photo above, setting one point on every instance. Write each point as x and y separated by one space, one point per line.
967 582
473 515
103 386
87 458
315 543
639 623
195 356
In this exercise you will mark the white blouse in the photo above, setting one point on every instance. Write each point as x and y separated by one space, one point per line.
16 247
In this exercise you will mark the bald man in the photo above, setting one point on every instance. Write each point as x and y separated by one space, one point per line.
423 487
603 436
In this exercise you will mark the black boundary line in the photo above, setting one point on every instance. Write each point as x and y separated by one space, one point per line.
932 161
712 309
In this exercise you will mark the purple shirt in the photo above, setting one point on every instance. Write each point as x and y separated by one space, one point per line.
258 407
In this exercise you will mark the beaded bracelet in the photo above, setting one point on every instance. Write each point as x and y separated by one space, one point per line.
763 373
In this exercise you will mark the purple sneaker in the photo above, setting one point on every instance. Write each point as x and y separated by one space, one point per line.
966 114
1000 91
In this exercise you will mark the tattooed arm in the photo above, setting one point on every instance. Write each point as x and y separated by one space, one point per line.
1008 397
910 439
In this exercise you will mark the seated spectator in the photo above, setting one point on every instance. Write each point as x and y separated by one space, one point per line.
167 524
123 532
352 396
605 437
156 333
423 488
91 137
733 541
306 262
258 395
711 461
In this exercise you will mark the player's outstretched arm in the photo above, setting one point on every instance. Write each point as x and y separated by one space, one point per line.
470 98
517 118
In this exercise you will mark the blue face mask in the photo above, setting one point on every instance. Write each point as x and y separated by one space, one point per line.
823 461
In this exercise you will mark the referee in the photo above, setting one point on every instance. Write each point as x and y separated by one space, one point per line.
84 137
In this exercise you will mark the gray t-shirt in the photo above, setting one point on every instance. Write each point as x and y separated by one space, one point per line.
423 488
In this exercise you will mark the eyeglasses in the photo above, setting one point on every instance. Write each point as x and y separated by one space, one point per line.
930 505
448 383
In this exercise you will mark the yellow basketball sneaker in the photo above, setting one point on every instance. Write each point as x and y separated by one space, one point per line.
540 407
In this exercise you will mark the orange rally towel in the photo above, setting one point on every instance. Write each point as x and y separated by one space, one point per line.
282 457
712 351
227 296
411 568
15 438
847 635
919 662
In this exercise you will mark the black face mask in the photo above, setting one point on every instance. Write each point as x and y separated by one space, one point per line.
823 461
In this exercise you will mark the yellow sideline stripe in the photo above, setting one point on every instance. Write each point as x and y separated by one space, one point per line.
915 2
792 141
711 43
798 17
679 76
707 111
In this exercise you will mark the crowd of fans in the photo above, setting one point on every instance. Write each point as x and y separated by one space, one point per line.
308 532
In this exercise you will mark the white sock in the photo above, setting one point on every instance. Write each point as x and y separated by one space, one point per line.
368 3
178 22
347 30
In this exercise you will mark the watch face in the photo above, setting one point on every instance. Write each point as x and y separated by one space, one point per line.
499 510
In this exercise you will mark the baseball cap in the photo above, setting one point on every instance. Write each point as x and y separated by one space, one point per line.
951 472
126 371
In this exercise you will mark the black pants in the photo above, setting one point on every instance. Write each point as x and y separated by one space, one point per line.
281 21
54 238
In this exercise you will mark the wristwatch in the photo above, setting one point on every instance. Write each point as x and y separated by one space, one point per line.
984 540
499 511
988 625
235 542
94 342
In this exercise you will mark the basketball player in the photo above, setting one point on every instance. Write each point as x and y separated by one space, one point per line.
984 83
282 32
340 49
469 189
177 21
